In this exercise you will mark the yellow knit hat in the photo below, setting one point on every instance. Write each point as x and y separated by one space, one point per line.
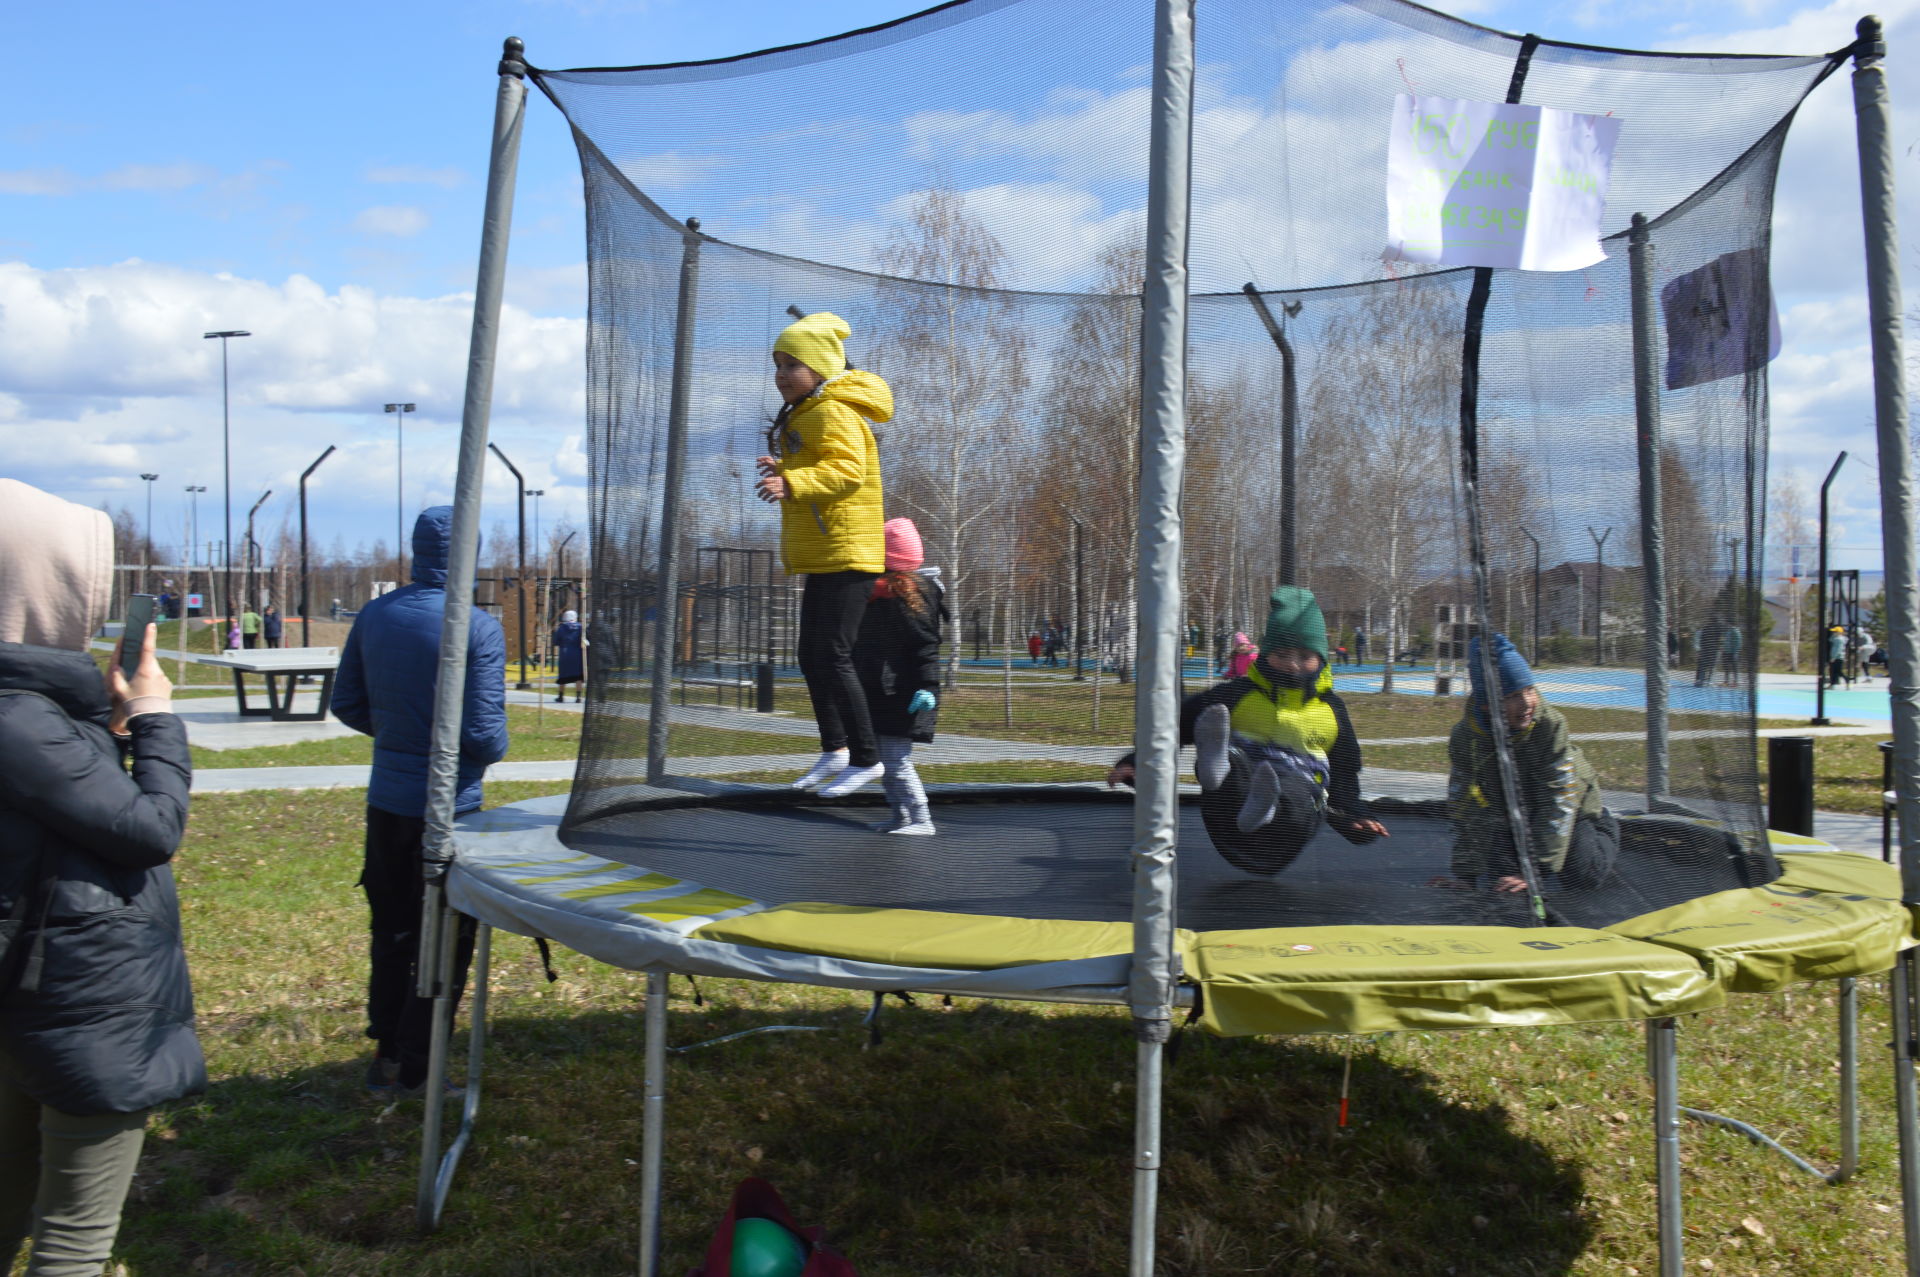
816 342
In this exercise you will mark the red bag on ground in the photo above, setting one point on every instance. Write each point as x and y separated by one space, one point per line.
755 1198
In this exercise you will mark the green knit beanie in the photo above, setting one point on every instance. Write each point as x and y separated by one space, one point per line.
1294 620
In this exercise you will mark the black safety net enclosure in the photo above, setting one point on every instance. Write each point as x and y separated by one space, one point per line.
1437 453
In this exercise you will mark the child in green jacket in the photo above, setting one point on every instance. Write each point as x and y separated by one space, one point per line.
1274 752
1569 833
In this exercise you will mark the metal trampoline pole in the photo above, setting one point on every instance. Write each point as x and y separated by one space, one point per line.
1653 550
667 580
1901 991
1663 1059
653 1123
449 693
430 1192
1163 425
1872 115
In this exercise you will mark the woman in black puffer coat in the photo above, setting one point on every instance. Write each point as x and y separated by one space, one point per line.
96 1015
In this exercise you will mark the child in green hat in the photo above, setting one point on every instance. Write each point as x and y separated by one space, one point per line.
1274 751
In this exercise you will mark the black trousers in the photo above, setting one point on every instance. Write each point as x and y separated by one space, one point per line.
1297 817
831 605
398 1019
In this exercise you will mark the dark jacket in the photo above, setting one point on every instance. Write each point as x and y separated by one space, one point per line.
388 671
110 1027
898 654
1251 698
567 647
270 623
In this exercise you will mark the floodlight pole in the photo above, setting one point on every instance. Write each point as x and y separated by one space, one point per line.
520 580
1653 545
666 591
1079 598
1873 119
306 606
1536 594
399 411
443 763
226 467
1289 426
1820 599
1599 593
1163 426
148 574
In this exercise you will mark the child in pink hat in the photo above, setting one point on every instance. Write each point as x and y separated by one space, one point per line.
898 656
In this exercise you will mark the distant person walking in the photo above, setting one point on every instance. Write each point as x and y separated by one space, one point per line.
1034 646
270 626
1730 654
250 628
569 642
1836 656
1359 647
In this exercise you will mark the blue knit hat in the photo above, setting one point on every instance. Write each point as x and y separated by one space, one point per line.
1515 673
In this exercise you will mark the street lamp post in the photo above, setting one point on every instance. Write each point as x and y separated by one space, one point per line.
1536 593
399 411
520 580
149 554
306 605
536 494
226 466
1599 595
247 550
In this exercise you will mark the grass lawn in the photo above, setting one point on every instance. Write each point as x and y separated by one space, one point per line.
980 1140
536 735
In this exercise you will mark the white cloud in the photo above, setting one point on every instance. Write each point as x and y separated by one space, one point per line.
416 175
401 220
128 177
106 375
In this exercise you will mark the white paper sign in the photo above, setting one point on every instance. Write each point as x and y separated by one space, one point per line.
1495 184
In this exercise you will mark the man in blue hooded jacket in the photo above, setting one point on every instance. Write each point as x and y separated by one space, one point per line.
385 688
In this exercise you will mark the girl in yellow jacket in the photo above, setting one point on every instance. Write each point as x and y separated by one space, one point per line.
822 469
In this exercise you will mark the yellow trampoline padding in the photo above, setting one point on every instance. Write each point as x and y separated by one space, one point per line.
1829 914
1381 979
920 937
697 904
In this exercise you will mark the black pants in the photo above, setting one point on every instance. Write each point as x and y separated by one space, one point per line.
1591 851
1297 817
398 1019
831 605
249 640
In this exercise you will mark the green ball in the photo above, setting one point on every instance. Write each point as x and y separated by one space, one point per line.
763 1248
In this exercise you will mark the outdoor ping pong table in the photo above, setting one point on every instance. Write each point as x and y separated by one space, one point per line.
276 664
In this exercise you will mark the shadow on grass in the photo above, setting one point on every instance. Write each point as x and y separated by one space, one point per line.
979 1139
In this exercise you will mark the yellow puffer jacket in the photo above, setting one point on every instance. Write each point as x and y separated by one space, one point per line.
830 521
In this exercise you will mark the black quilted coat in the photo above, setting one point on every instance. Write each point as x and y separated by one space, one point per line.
110 1027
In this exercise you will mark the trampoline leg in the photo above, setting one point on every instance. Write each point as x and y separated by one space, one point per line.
1663 1060
430 1195
1904 1049
653 1124
1150 1066
1849 1081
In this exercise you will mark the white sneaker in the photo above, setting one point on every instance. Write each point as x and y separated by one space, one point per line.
1212 735
850 780
831 764
902 817
919 828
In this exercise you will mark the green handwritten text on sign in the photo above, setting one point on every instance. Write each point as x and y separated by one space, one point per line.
1496 184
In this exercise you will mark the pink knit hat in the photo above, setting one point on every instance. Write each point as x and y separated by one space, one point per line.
903 545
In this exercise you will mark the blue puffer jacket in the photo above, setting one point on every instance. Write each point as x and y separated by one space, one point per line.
387 675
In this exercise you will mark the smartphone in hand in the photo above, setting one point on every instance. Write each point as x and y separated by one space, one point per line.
140 613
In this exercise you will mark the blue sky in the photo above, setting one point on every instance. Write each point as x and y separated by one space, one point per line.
314 173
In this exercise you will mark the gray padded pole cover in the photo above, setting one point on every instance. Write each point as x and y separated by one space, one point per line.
1873 118
443 763
1653 549
1163 419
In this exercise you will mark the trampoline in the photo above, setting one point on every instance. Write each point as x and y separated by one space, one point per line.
1143 445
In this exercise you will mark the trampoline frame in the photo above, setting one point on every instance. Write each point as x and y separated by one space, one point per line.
1150 995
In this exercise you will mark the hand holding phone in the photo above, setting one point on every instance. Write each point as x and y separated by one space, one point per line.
135 673
140 612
